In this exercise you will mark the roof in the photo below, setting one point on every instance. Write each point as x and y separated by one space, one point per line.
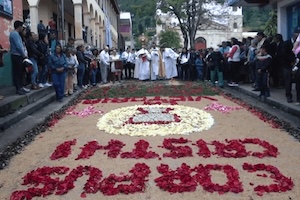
247 2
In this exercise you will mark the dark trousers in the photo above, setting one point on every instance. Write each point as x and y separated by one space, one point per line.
59 84
127 68
185 71
234 71
18 71
263 83
192 72
297 79
287 76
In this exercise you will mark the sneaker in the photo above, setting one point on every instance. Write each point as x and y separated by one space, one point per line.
47 84
41 85
21 92
231 84
297 104
25 89
235 84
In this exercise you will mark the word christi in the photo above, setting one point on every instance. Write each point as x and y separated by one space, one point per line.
177 147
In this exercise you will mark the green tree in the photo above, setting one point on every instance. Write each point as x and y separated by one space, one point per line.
191 14
271 25
170 38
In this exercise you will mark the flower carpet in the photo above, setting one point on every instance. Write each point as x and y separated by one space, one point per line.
185 141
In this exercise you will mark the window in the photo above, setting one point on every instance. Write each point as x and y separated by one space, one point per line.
234 8
235 25
6 8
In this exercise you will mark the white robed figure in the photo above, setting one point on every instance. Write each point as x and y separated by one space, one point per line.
169 59
142 66
156 67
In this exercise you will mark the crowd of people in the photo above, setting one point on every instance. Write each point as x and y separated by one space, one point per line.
262 61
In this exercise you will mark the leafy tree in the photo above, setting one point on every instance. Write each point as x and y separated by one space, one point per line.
271 25
170 38
191 14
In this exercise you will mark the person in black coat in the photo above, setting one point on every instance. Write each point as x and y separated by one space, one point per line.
34 55
288 60
216 66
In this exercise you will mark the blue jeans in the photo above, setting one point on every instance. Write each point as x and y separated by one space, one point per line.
199 73
80 74
43 74
94 72
34 71
59 84
263 82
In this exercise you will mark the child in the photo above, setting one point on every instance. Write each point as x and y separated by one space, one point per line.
263 66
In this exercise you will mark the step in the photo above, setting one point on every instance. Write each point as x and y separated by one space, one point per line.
13 102
13 134
14 118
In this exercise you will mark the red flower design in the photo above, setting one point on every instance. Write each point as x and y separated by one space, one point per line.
138 178
203 149
140 151
187 183
234 149
177 151
233 183
283 183
270 150
63 150
89 150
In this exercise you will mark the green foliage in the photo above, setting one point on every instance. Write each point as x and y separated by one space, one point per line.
271 25
255 18
143 13
170 38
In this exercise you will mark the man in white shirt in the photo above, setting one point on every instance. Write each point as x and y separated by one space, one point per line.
104 64
127 61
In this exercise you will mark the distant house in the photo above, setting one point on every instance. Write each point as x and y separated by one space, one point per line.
288 12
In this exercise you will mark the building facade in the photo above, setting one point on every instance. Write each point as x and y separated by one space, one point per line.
208 35
98 20
126 29
9 12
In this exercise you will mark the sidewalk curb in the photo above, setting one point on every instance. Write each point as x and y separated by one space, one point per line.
270 101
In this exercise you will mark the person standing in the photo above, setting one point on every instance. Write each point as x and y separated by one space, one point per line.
216 59
42 47
94 66
156 62
192 67
2 51
114 57
169 60
126 57
34 55
184 64
41 28
142 71
234 62
17 56
199 64
104 64
71 65
58 65
263 66
288 60
81 66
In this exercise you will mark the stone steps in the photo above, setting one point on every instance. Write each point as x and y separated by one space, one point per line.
14 108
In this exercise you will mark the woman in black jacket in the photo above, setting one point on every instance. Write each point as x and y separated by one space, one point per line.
42 62
34 54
